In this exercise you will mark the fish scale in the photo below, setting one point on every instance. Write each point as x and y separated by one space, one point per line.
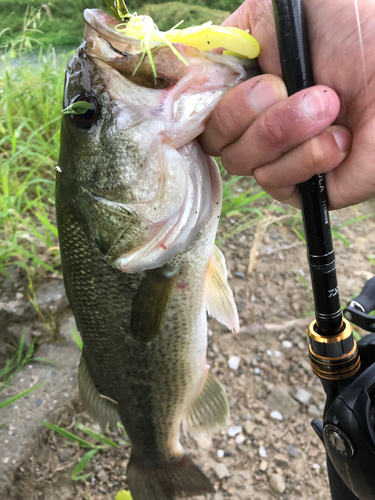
106 294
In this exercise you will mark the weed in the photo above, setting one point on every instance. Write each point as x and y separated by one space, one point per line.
19 395
60 23
77 338
30 96
19 359
97 437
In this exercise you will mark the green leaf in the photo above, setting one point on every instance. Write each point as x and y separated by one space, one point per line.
18 396
77 338
77 108
96 435
68 435
123 495
82 464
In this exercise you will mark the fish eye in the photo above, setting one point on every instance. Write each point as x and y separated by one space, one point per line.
87 119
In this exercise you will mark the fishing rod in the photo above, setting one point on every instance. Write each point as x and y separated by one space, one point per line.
346 370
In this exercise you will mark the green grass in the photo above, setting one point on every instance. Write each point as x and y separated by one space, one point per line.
60 23
30 96
98 441
13 364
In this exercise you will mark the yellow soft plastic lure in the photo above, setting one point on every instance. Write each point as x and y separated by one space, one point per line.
204 37
208 37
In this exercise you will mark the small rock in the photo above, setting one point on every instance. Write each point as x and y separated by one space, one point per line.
305 365
233 431
281 459
221 471
257 371
313 411
103 476
204 441
51 296
249 427
232 402
240 439
66 323
301 395
276 415
238 274
287 344
292 451
280 400
234 362
220 453
262 452
64 454
277 483
5 460
263 465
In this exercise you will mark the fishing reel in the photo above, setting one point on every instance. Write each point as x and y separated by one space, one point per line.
348 428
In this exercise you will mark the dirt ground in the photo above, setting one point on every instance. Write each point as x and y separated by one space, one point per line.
269 450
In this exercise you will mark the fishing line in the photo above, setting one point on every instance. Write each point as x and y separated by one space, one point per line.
362 51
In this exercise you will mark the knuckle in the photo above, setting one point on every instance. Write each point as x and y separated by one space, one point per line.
316 156
261 175
226 120
275 128
227 161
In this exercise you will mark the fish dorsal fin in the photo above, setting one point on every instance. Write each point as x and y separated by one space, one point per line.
210 409
219 297
98 406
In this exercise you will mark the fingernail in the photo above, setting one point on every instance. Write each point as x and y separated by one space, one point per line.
313 104
263 95
342 138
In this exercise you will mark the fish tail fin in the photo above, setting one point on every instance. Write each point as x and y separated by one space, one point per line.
167 481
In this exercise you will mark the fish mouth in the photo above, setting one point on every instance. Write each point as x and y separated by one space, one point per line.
104 25
125 54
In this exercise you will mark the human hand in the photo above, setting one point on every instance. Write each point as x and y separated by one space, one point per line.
282 141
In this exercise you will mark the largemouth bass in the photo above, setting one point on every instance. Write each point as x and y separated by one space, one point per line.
137 205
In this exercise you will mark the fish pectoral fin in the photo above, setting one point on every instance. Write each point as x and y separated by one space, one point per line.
151 302
219 297
178 477
210 409
100 407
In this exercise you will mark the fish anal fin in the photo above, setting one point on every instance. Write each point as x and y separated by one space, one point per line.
210 409
179 477
219 297
101 408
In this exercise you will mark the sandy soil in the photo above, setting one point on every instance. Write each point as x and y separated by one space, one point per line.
263 455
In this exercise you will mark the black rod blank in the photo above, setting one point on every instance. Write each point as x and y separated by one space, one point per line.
297 75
